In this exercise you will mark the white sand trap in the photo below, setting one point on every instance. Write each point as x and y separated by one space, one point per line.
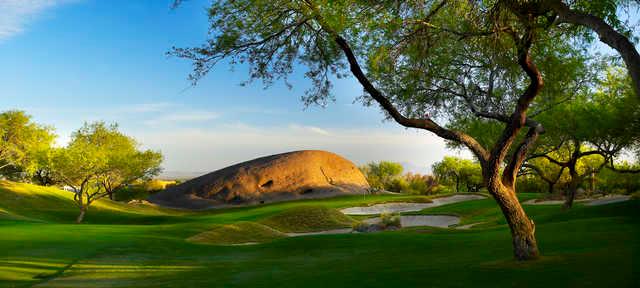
545 202
443 221
400 207
589 202
469 226
335 231
609 200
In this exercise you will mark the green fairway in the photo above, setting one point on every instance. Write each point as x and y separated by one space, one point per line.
138 246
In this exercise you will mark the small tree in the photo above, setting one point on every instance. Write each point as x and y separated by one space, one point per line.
98 159
22 142
381 175
458 172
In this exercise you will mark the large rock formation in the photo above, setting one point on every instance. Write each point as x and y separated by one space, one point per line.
281 177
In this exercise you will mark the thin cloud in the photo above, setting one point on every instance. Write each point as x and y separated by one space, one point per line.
16 15
314 129
183 117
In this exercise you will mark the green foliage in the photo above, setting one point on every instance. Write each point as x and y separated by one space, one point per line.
382 174
23 143
388 176
390 220
459 173
98 160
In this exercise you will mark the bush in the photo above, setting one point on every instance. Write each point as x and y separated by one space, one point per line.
635 196
441 189
390 220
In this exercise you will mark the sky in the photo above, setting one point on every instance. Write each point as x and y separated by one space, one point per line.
66 62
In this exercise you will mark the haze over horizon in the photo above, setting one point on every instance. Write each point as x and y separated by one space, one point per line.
73 61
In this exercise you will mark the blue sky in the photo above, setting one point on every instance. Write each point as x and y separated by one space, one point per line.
70 61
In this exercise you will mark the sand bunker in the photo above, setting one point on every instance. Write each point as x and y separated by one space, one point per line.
442 221
401 207
588 202
609 200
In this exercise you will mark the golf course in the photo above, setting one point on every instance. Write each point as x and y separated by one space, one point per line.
127 245
319 143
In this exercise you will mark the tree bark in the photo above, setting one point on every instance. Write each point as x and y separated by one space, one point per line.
83 211
573 187
525 246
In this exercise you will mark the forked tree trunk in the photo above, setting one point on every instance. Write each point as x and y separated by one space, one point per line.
522 228
83 211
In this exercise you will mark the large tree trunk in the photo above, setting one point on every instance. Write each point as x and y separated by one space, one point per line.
522 228
83 211
551 184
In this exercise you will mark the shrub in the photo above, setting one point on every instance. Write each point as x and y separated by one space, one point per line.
441 189
635 196
390 220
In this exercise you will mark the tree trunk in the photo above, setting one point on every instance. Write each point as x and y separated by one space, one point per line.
83 211
571 192
551 184
525 246
457 185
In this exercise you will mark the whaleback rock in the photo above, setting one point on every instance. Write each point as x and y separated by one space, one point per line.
288 176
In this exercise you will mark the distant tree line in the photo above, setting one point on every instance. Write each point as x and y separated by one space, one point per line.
98 161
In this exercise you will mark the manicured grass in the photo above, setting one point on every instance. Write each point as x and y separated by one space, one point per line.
237 234
129 246
308 218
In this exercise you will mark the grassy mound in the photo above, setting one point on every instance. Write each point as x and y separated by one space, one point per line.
237 233
21 201
308 219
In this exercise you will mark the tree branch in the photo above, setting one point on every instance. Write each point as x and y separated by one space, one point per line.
607 35
426 124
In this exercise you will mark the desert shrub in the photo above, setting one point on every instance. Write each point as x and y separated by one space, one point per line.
382 174
419 184
390 220
441 189
360 226
398 184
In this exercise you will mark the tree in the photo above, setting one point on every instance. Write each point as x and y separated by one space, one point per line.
98 159
421 62
22 141
381 175
582 149
458 171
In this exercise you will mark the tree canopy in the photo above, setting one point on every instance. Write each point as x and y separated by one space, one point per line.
99 159
22 142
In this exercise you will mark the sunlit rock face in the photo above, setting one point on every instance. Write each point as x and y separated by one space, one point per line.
280 177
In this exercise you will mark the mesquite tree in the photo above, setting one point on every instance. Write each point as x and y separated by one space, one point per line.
98 159
601 123
423 62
